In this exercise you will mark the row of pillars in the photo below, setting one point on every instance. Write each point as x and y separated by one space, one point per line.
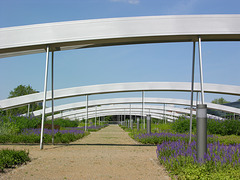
199 136
201 129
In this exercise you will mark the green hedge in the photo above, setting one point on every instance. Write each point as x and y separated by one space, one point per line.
222 127
11 158
32 138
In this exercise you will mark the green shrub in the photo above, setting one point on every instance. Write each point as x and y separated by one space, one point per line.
182 125
11 158
15 124
222 127
64 122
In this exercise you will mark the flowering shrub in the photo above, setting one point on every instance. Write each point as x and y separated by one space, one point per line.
158 138
49 131
179 157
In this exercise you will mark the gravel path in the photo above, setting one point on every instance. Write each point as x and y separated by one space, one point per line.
107 154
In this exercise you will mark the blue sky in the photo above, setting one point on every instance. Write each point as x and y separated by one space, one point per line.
131 63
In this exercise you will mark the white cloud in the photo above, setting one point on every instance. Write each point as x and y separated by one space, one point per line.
127 1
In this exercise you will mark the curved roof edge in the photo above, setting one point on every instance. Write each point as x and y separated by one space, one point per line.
31 39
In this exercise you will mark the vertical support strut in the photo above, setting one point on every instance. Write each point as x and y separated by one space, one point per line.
28 113
143 120
52 99
138 124
192 88
200 66
149 124
201 131
165 114
130 113
44 98
86 120
96 116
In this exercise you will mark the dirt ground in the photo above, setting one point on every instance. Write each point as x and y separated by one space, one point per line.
107 154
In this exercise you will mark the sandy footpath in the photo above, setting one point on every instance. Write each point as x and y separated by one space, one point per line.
107 154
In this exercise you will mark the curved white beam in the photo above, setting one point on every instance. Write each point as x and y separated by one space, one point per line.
117 31
112 113
137 100
169 111
119 87
126 107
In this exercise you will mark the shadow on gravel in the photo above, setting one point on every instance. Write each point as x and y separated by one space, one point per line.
99 144
93 144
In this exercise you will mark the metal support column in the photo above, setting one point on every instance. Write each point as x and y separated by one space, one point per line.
130 118
149 124
138 124
124 118
165 114
44 98
143 120
201 131
52 99
192 88
200 66
96 116
86 120
28 112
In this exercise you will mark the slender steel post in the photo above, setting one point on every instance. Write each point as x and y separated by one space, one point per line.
28 113
86 121
201 131
200 66
192 87
138 124
130 117
165 114
44 98
96 116
52 99
125 118
143 119
149 124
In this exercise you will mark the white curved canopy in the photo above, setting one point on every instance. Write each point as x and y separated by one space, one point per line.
119 87
112 113
121 112
148 109
134 101
126 108
117 31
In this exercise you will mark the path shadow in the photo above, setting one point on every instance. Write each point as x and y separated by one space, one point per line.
101 144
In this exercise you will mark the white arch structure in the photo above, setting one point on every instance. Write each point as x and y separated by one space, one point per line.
121 107
117 31
119 87
112 101
125 109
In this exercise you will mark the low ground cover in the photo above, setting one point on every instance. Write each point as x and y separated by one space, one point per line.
179 157
27 130
12 158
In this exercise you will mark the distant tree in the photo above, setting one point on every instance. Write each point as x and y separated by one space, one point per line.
20 91
220 101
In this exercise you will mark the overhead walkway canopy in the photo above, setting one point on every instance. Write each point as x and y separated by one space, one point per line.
31 39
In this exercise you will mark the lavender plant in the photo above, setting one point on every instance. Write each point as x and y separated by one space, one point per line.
180 158
158 138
